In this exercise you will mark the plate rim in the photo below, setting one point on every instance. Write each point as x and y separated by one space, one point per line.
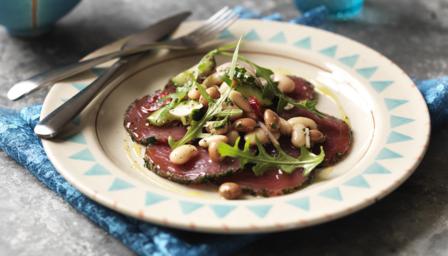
104 200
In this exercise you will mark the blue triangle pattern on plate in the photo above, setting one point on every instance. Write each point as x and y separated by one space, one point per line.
350 60
367 72
97 170
396 121
332 193
304 43
376 168
189 207
394 103
395 137
252 36
79 86
225 34
153 198
260 210
302 203
279 38
357 181
98 71
386 153
380 86
119 184
330 51
222 210
84 155
77 138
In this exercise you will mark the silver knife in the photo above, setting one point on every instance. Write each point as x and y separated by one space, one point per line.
43 130
153 33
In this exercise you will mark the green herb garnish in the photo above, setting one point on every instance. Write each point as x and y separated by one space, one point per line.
270 90
263 161
214 107
205 66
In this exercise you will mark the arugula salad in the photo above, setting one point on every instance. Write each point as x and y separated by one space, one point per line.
238 125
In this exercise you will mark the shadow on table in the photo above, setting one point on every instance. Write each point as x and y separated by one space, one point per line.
394 224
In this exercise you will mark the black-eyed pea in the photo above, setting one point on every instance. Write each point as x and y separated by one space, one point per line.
230 190
194 94
285 84
298 138
183 154
316 136
213 79
305 121
213 92
272 120
239 100
205 142
285 127
213 151
244 124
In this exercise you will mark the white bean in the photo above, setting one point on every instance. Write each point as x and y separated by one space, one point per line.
213 79
183 154
285 84
213 151
239 100
285 127
258 134
298 135
213 138
305 121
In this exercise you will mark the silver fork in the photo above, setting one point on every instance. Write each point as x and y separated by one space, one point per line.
214 24
53 123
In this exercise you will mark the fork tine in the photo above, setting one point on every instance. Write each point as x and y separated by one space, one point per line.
212 30
215 24
212 20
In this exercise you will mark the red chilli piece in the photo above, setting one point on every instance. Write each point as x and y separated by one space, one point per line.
255 105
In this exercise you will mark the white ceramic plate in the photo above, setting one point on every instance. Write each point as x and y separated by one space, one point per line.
388 116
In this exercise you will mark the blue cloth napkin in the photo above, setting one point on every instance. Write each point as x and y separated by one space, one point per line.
18 140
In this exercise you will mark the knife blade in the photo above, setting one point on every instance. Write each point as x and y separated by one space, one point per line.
154 32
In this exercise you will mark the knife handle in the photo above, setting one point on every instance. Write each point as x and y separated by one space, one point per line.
53 123
48 78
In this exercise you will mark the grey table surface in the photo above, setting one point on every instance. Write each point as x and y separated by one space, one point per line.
413 220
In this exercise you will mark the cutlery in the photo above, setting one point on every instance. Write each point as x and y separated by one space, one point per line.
51 125
133 44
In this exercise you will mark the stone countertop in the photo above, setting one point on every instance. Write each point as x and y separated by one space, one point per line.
413 220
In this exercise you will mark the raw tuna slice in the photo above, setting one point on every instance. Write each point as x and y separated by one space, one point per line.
197 170
140 130
338 134
271 183
304 90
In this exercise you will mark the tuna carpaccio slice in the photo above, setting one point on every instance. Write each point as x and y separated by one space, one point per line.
338 135
140 130
303 89
198 170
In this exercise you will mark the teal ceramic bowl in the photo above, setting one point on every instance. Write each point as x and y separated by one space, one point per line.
32 17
